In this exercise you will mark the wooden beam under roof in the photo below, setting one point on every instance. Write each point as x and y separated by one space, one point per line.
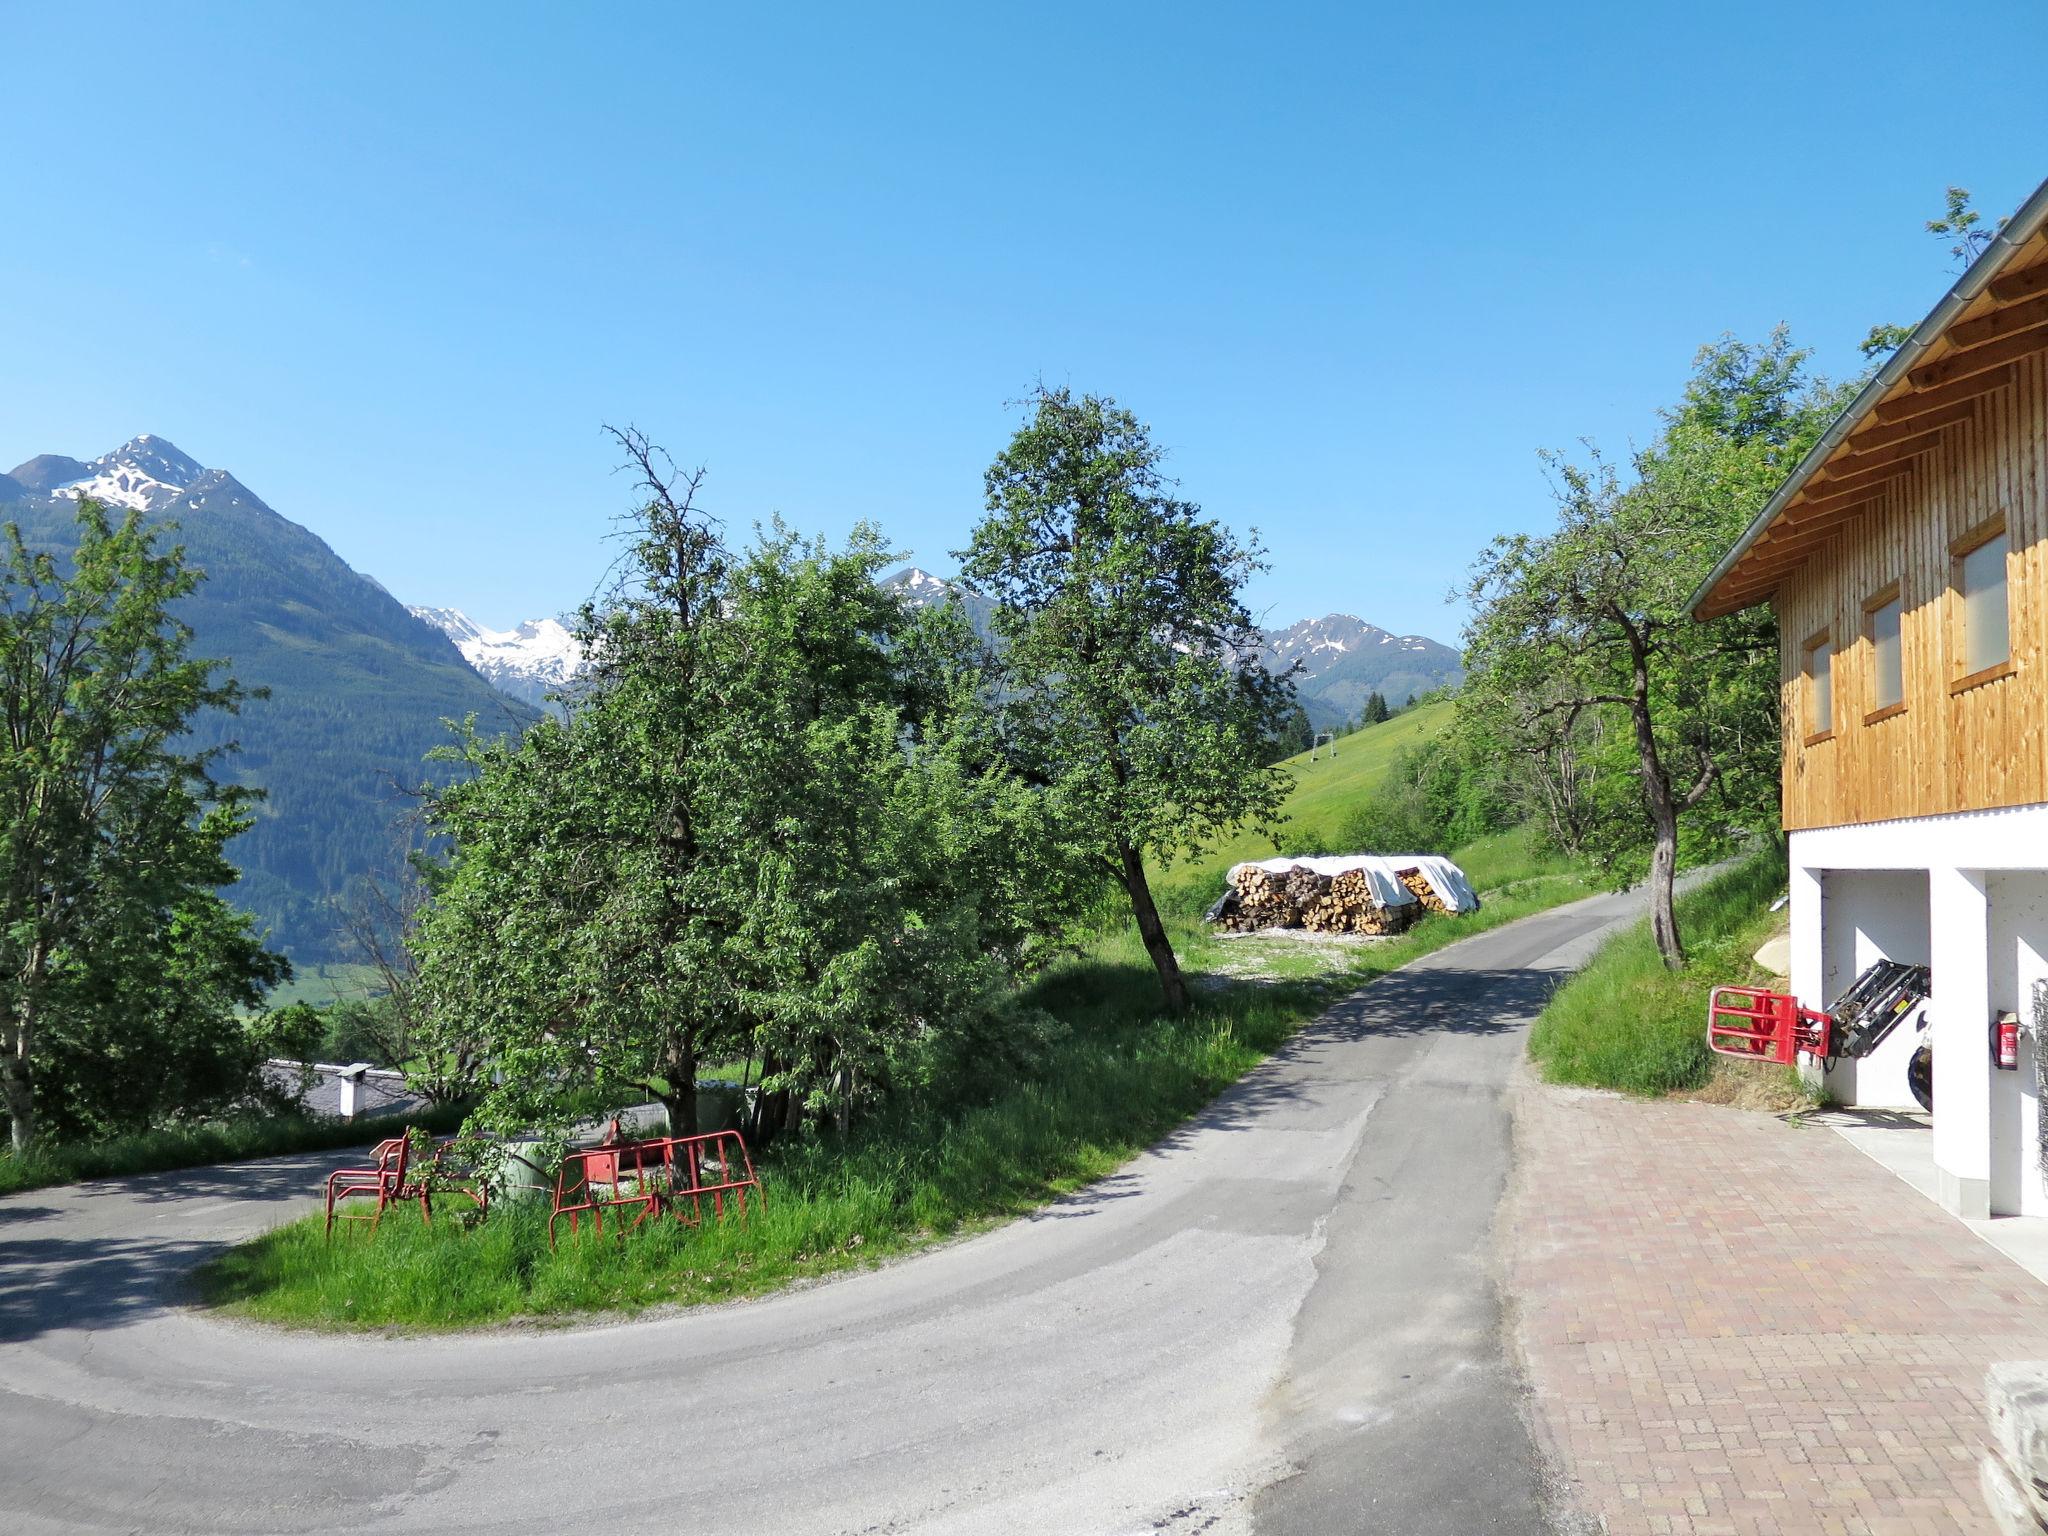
1904 407
1831 498
1845 465
1987 358
1881 435
1828 489
2020 285
2000 322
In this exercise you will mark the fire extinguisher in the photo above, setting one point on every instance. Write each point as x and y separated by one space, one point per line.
2005 1041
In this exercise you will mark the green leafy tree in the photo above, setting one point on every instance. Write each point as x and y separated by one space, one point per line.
1296 734
1376 711
581 930
1958 221
122 972
1965 224
1581 650
1883 340
1133 691
774 826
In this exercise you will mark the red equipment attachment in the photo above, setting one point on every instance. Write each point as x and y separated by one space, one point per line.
396 1178
671 1175
1756 1025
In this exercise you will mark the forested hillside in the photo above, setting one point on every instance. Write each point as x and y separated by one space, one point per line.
358 687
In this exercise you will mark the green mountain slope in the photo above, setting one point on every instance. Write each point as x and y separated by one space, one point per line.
359 688
1325 792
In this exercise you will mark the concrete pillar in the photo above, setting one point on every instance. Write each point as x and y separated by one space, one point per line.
1808 973
1959 915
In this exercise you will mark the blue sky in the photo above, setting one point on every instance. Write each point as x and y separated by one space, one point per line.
396 266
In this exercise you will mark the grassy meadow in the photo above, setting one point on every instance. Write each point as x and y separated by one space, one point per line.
1324 792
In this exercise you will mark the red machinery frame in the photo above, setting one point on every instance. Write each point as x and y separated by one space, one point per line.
669 1175
1756 1025
395 1177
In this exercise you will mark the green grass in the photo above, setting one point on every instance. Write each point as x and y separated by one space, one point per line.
200 1144
1325 792
1625 1022
321 985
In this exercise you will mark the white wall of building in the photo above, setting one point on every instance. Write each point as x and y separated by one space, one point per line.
1984 931
1870 915
2019 959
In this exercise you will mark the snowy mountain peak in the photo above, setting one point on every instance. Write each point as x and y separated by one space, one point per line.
1340 660
528 661
144 473
159 458
452 622
920 581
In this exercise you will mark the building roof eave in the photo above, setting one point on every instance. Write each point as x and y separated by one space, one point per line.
2028 221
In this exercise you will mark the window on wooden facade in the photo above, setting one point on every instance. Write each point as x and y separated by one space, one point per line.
1983 624
1881 626
1820 686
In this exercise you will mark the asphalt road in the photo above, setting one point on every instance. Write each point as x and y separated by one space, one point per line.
1282 1318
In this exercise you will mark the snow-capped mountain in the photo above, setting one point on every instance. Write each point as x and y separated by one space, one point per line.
920 586
529 661
1344 660
541 656
354 691
145 473
920 589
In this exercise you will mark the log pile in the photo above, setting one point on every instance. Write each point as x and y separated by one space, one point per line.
1424 891
1301 898
1345 905
1262 902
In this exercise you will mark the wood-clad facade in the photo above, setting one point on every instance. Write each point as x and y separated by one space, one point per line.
1955 741
1906 558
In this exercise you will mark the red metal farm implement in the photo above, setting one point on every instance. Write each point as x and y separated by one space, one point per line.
671 1175
1755 1025
396 1177
1764 1026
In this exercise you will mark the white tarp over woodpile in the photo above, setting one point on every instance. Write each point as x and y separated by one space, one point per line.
1383 873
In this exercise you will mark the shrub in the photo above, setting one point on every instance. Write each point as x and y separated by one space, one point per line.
1625 1022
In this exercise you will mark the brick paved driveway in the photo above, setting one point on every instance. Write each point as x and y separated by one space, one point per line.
1734 1325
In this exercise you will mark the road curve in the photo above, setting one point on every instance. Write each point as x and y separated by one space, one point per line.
1281 1318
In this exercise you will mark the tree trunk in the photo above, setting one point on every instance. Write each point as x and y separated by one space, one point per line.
1663 808
1663 908
1152 931
680 1073
21 1105
17 1081
769 1109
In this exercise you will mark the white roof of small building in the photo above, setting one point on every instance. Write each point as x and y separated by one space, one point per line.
1383 875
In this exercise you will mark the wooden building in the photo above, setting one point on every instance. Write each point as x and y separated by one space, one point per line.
1906 558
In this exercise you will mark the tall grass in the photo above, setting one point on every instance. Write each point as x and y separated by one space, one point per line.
1625 1022
202 1143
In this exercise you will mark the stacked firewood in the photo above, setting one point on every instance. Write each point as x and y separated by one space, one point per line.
1301 898
1424 891
1262 902
1345 905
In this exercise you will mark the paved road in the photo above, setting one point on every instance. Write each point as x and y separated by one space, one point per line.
1284 1318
